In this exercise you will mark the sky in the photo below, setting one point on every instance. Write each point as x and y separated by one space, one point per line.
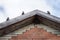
55 4
14 8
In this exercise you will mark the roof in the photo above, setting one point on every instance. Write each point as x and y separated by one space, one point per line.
29 14
28 18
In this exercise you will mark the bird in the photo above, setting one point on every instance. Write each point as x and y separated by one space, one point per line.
7 19
23 13
48 12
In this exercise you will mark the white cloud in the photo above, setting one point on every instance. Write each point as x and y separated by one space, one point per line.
14 8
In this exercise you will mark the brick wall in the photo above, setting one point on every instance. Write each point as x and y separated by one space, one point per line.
36 34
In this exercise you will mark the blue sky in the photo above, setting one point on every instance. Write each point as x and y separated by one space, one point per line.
55 4
14 8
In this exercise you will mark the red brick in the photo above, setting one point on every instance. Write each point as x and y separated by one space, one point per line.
36 34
